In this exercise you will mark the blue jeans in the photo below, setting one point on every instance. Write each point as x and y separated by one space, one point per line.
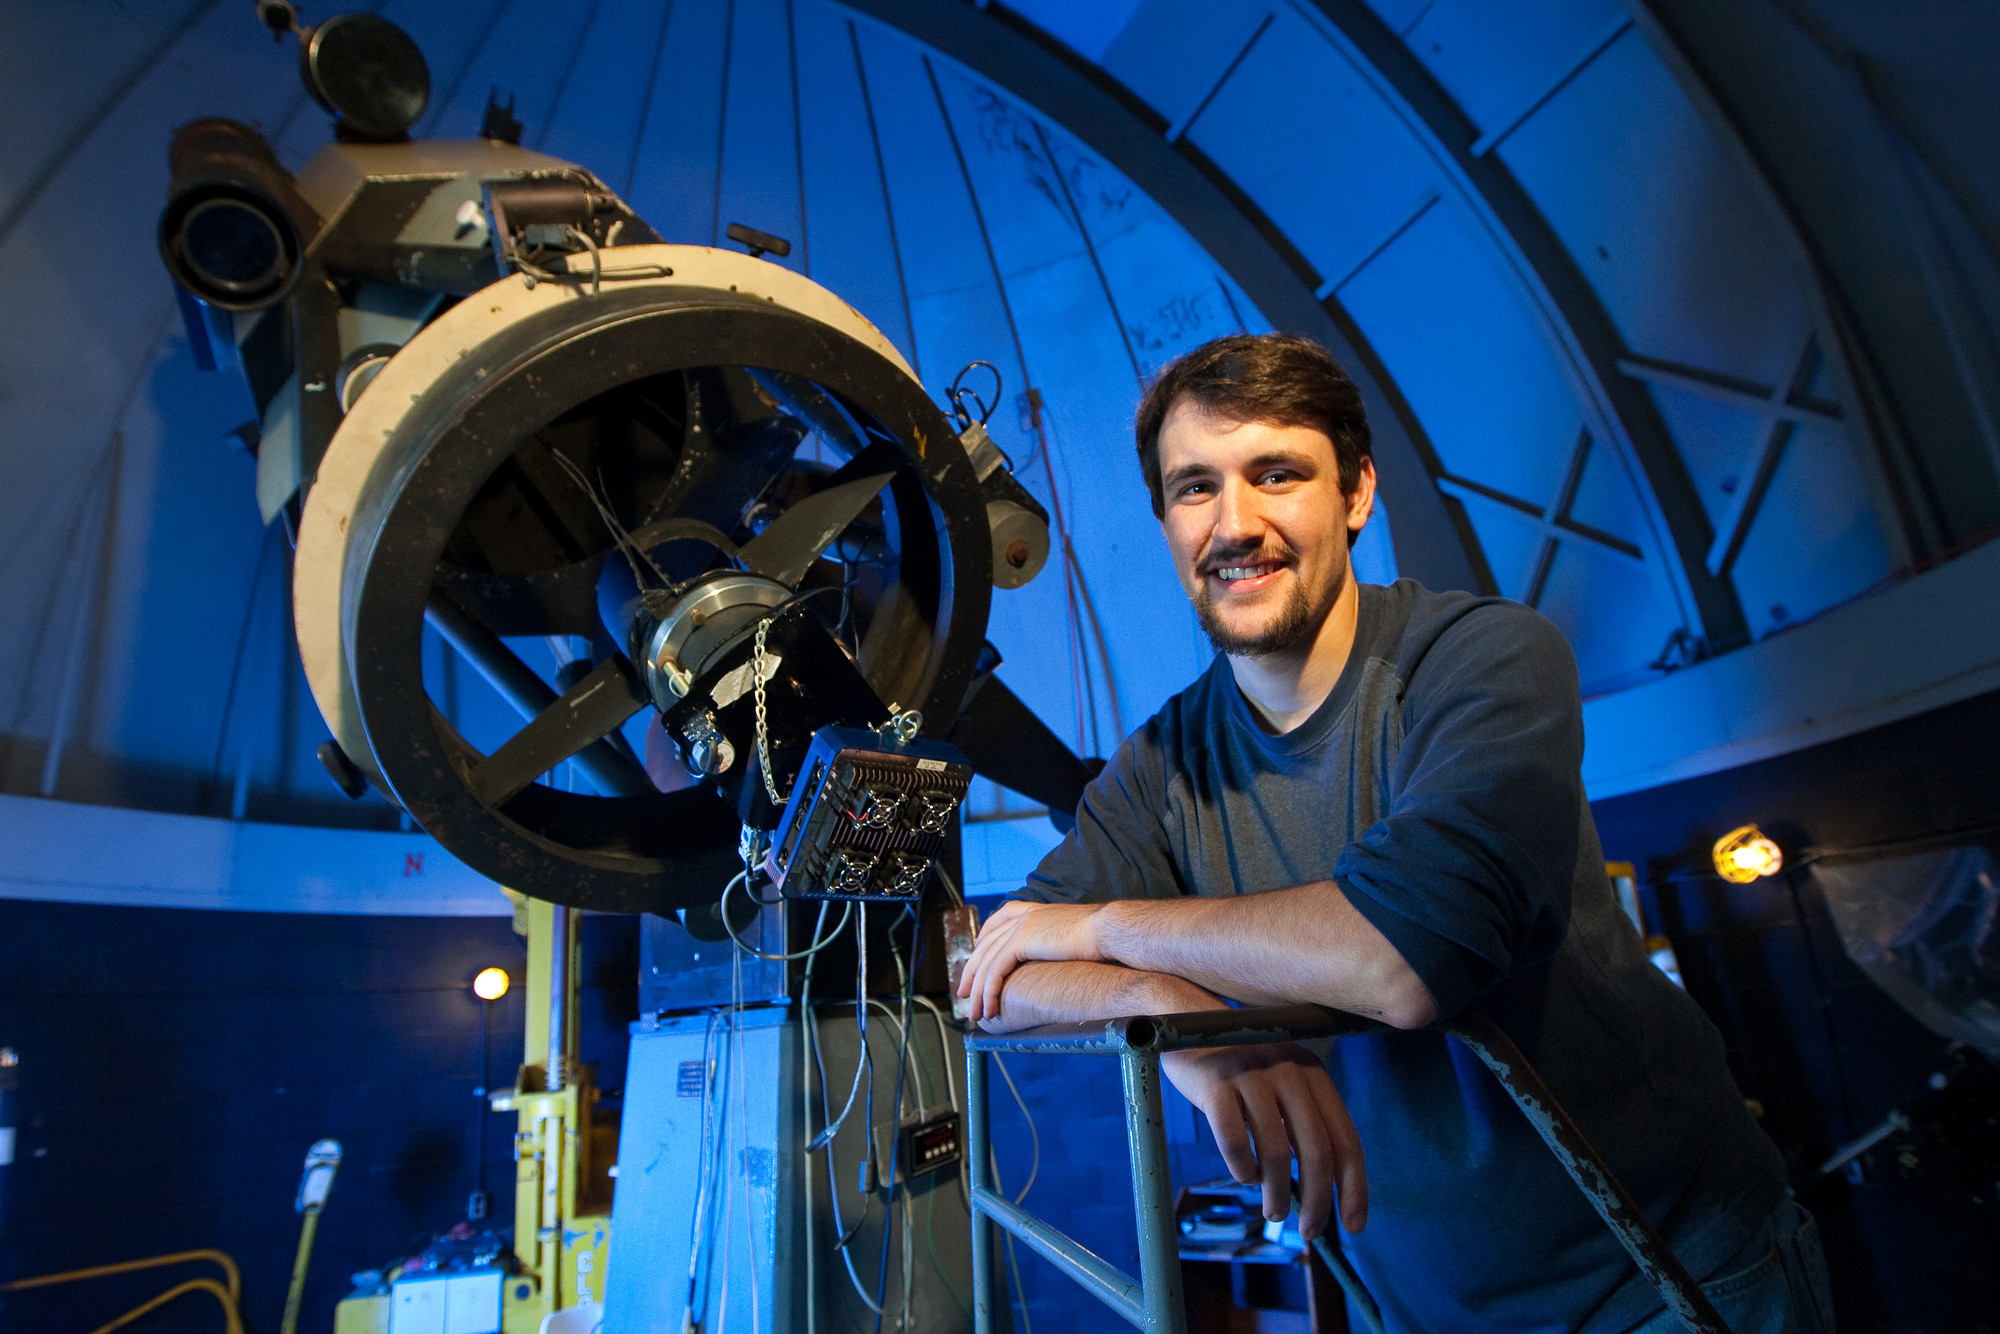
1775 1285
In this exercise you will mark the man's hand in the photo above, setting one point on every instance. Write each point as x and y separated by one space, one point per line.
1020 932
1267 1105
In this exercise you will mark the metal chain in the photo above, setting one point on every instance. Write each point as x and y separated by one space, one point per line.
763 731
903 724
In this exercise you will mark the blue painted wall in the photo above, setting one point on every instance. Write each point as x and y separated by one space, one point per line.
176 1064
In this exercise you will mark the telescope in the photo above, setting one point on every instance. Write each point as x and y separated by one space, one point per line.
494 402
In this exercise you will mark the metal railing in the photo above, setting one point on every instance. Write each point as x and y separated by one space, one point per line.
1154 1303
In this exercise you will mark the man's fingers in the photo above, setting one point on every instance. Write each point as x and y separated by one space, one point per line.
993 974
1006 912
1350 1169
1274 1149
980 989
976 985
1225 1121
995 981
1312 1145
971 986
986 971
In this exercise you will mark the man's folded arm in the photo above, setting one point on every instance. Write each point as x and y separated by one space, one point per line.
1075 992
1307 944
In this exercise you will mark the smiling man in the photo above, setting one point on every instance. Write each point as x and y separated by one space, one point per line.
1372 801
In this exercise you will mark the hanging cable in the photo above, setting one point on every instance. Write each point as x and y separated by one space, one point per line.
900 1195
697 1246
958 393
916 1069
620 537
907 980
957 896
844 1234
930 1200
743 1131
596 260
805 1119
1034 1136
820 941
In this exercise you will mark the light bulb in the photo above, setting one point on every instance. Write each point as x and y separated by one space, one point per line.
1743 855
491 984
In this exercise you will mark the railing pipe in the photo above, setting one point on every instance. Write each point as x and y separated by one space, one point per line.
978 1147
1153 1193
1092 1272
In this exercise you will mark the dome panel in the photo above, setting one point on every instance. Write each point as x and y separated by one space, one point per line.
1170 296
843 182
1687 256
1469 360
1172 53
601 119
957 309
1299 132
1717 440
1085 29
1810 544
60 63
1605 499
1497 61
674 185
521 51
1511 540
997 847
760 145
1075 449
1611 609
1374 552
1028 201
176 601
1400 14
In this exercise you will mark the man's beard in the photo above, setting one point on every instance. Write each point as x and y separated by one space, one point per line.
1292 627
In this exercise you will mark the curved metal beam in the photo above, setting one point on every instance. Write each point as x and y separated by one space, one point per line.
1430 537
1618 408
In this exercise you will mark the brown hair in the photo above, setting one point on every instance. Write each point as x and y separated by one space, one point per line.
1272 378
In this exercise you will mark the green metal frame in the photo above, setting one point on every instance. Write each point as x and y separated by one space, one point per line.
1153 1303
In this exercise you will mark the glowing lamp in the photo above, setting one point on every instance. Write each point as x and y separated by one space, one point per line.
491 984
1743 855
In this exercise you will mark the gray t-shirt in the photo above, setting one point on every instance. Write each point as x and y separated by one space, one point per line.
1439 784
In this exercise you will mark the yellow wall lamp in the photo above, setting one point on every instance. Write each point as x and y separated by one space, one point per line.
1747 854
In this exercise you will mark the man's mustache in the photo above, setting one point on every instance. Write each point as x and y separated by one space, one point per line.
1230 558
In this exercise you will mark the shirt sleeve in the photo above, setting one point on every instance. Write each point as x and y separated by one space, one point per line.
1118 849
1470 874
